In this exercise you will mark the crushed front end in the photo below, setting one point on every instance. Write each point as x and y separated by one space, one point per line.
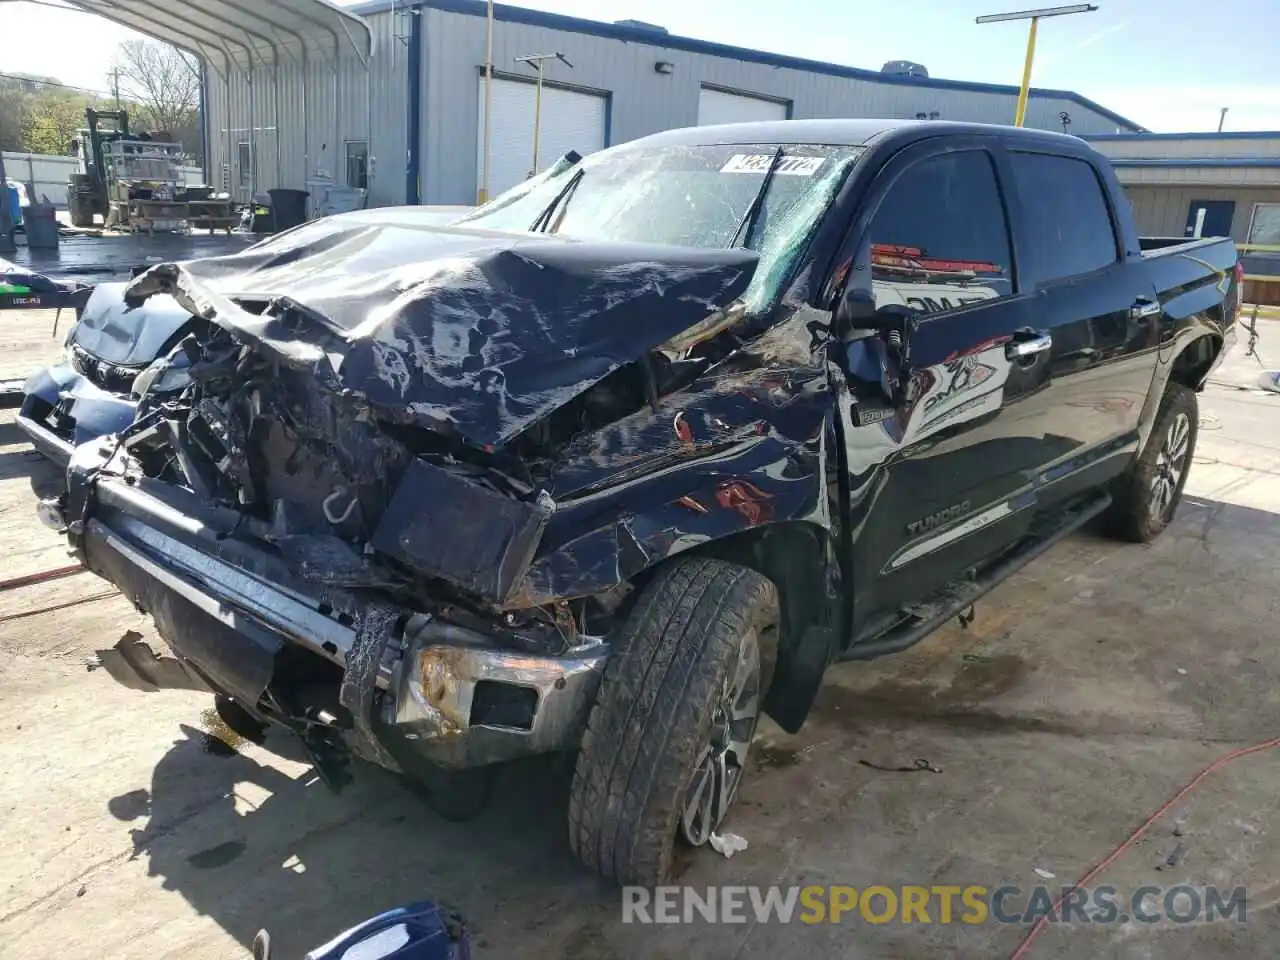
348 564
228 519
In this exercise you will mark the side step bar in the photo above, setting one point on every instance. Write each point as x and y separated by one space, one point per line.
958 595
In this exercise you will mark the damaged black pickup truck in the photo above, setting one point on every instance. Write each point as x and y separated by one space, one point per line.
634 453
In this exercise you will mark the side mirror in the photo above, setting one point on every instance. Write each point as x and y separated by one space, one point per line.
881 357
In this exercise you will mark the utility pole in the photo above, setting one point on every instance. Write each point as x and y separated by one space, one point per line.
115 85
482 195
1222 118
536 61
1035 17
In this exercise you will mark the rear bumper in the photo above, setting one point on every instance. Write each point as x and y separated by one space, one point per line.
413 687
61 409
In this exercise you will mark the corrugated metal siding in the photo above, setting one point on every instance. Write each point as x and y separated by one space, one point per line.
1192 148
315 145
1219 176
1162 211
644 101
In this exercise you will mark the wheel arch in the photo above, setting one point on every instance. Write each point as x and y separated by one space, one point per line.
1193 362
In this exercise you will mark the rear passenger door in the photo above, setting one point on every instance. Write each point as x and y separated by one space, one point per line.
1100 311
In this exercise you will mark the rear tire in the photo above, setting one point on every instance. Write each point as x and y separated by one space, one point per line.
1147 496
666 744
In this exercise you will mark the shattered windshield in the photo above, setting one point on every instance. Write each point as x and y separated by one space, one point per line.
692 196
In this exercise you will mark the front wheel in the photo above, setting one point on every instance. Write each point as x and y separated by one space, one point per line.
1147 496
667 741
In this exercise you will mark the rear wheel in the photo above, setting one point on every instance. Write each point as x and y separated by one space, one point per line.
1147 496
666 745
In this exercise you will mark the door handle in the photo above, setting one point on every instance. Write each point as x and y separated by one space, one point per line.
1028 346
1144 308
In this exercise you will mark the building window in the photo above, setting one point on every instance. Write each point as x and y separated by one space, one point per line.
244 164
358 164
1265 226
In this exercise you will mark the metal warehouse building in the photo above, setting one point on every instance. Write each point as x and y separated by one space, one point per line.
405 120
1200 184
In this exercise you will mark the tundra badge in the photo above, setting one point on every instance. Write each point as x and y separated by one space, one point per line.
938 519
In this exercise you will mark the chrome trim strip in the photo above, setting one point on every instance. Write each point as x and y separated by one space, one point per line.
963 529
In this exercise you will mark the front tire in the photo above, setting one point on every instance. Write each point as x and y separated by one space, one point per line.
1147 496
666 745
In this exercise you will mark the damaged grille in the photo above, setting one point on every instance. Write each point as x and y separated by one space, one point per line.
101 373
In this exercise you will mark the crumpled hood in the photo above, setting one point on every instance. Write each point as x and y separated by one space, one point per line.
128 337
479 332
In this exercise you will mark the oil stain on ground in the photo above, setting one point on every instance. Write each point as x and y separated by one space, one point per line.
958 703
219 856
772 756
219 739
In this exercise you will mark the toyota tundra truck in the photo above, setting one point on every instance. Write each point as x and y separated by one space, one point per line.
633 454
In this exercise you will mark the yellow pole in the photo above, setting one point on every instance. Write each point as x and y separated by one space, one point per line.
1021 115
482 195
537 120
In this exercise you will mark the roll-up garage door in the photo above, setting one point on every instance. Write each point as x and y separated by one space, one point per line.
570 121
717 106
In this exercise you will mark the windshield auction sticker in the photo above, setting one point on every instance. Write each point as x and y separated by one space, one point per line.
759 163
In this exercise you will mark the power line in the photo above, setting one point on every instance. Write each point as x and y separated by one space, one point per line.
55 83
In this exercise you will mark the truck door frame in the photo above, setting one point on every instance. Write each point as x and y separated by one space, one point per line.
966 536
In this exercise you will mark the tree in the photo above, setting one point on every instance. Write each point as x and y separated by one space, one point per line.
164 85
54 122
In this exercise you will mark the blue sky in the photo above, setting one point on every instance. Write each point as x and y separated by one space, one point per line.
1168 64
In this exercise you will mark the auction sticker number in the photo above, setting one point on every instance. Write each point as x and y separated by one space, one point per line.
759 163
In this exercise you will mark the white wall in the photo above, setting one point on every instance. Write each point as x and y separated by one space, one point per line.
50 174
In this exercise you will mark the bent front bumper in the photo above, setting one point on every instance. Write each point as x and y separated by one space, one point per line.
413 687
62 409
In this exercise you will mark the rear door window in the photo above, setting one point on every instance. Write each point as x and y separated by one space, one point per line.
940 239
1068 228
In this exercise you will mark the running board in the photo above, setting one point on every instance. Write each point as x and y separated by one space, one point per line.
956 596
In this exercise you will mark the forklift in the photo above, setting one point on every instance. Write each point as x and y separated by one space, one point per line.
87 191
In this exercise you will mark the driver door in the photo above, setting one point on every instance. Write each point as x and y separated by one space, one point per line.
945 478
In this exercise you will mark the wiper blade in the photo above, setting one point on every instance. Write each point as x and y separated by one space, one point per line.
544 218
748 224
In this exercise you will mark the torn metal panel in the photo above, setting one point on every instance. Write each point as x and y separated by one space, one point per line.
482 540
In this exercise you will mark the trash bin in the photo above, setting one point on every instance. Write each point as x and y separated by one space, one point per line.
288 207
15 204
40 220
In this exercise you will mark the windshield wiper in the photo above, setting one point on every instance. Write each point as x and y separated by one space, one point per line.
544 218
748 224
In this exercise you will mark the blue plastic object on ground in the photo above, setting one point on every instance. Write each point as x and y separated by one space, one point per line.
16 200
419 931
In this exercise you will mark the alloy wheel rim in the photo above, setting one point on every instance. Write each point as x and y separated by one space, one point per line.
723 758
1171 465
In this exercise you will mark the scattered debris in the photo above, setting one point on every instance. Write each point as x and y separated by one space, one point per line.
1045 874
967 617
977 658
728 844
916 766
1181 671
1176 855
80 892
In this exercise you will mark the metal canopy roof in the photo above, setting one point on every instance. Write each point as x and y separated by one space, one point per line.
242 34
